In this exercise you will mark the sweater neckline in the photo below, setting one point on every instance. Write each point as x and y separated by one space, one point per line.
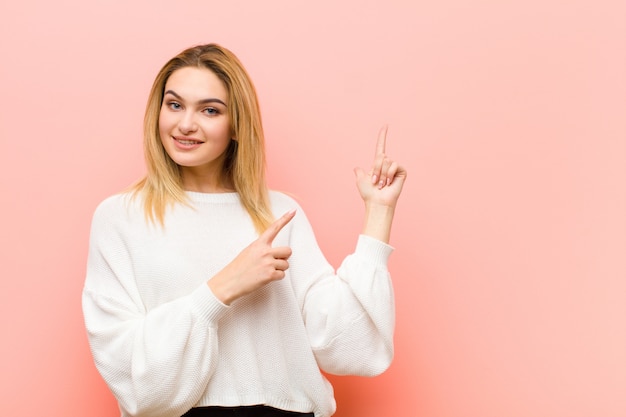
198 197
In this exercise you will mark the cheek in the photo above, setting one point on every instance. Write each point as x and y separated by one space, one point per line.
226 128
163 124
226 131
218 130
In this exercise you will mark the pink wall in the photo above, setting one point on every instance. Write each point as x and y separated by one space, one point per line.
510 267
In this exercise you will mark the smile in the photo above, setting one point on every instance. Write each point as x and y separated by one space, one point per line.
188 142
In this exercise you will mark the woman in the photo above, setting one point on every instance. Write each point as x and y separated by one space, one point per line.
206 294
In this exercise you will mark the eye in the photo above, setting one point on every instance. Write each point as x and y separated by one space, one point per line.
174 105
210 111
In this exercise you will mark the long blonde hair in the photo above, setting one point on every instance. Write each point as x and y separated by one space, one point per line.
244 166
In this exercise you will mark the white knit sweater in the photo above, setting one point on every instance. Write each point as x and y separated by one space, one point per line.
163 343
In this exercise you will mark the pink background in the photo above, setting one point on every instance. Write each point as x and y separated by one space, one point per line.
510 117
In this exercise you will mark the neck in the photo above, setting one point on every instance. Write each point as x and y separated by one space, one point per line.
205 182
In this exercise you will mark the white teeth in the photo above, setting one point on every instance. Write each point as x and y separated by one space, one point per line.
188 142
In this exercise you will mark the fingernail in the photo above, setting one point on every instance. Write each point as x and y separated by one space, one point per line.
374 179
380 184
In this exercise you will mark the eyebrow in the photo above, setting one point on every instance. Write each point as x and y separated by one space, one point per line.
203 101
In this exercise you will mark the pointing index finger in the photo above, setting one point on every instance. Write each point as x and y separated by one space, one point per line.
274 228
382 140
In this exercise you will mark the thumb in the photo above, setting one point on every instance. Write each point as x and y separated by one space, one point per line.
359 173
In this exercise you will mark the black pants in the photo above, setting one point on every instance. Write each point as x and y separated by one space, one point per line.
248 411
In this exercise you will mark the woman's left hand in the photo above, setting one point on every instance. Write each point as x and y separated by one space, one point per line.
383 184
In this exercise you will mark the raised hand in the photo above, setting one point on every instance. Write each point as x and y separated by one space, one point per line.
382 185
255 266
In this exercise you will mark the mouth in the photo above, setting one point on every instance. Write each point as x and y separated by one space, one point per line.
187 141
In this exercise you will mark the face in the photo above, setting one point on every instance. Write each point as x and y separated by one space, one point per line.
194 123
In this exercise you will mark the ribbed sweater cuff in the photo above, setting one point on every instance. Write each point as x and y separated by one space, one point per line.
207 305
374 250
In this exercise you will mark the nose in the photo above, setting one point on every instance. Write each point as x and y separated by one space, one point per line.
187 123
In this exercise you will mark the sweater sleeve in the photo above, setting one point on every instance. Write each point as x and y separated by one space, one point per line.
349 314
157 363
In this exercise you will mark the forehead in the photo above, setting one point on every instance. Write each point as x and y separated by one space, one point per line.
193 84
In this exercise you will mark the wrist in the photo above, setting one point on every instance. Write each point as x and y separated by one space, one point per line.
379 206
221 290
378 219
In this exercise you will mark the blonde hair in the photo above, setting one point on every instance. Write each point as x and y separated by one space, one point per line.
244 165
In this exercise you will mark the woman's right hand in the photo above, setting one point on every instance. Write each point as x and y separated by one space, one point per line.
255 266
